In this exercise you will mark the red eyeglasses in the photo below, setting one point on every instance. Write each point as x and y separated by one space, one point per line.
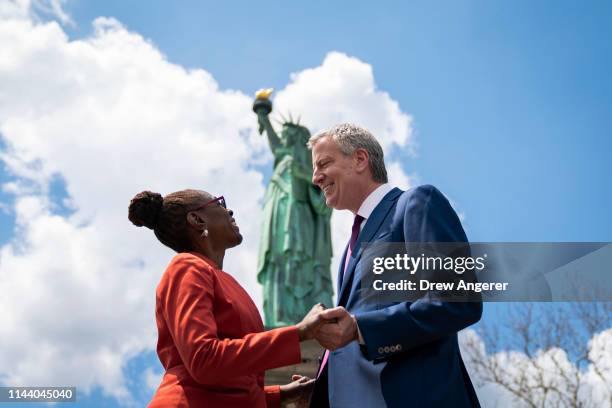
220 200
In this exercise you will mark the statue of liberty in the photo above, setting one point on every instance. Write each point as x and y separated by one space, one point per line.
295 248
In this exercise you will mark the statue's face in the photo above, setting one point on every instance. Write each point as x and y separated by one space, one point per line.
304 136
290 135
293 134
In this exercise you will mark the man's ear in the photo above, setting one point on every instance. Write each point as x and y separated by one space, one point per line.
362 160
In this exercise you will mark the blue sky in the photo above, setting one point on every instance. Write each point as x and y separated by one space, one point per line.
511 101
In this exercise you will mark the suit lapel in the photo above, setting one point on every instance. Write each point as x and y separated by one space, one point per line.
372 226
341 269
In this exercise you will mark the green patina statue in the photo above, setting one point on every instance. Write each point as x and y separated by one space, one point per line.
295 249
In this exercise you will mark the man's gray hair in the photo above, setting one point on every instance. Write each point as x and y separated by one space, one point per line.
351 137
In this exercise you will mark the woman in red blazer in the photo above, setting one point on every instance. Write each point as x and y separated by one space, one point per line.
211 340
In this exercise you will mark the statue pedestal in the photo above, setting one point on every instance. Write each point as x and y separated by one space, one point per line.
311 351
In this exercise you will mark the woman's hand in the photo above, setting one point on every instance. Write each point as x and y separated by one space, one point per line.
311 322
297 392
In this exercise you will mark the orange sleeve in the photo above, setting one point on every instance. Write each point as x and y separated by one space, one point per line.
273 399
187 303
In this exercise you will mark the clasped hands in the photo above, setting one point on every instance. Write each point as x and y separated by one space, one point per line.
331 328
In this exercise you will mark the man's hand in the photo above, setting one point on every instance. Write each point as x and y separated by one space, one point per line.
298 391
340 329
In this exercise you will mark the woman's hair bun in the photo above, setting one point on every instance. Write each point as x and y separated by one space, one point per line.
145 208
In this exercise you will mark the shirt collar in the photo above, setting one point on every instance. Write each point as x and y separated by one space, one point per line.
371 201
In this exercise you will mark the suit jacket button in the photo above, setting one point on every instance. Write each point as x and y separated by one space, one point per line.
380 350
398 347
392 348
386 349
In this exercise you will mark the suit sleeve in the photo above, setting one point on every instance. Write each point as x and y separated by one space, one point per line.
428 217
187 303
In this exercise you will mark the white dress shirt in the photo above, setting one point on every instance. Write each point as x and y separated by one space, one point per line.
371 201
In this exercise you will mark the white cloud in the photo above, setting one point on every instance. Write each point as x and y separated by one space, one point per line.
343 89
110 116
16 9
599 375
32 9
152 378
399 178
550 369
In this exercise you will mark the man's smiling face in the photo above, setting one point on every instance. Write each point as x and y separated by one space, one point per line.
333 172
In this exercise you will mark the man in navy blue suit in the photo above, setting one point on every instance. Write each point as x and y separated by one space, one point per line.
386 354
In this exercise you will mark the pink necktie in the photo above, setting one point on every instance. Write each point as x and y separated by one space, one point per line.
354 234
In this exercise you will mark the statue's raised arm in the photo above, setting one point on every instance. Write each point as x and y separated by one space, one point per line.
262 107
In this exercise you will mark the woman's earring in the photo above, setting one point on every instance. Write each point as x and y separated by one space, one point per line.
205 233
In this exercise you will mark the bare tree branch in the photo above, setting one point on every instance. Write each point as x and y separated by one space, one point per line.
546 355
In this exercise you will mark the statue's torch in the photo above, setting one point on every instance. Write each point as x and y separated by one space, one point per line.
262 101
262 105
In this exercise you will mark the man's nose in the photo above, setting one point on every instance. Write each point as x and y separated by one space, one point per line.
316 177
